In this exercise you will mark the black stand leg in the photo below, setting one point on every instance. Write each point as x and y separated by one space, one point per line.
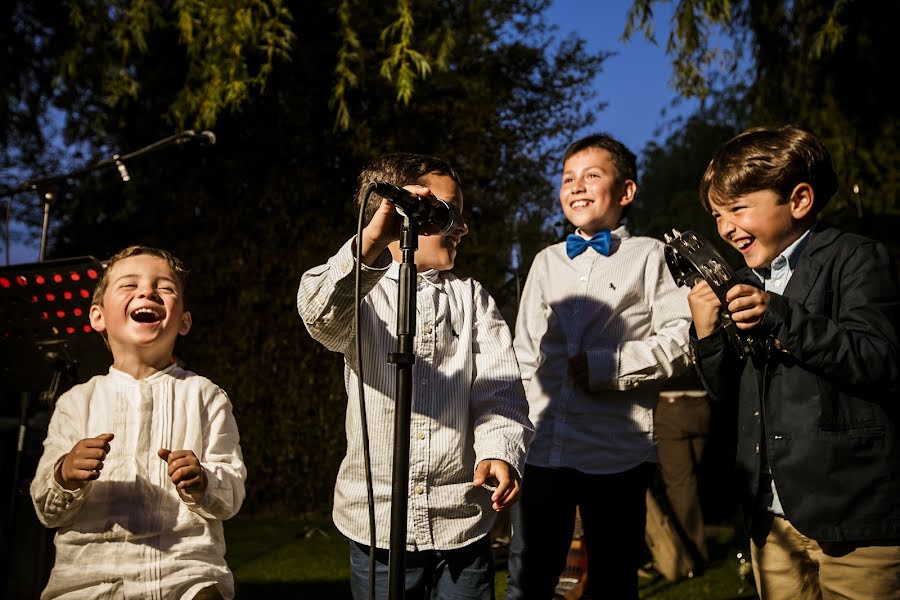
404 359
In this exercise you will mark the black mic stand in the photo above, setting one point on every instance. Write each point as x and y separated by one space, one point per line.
403 358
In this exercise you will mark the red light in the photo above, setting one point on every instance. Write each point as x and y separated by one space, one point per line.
22 280
75 276
60 313
34 298
4 282
39 279
92 273
50 297
86 328
44 315
67 295
77 312
84 293
57 278
70 330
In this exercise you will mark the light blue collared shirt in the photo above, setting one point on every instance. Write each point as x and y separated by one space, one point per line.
775 280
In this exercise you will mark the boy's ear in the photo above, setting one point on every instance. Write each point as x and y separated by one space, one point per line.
96 318
801 201
629 189
186 322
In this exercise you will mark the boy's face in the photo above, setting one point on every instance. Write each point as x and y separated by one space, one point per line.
590 195
439 251
761 228
142 310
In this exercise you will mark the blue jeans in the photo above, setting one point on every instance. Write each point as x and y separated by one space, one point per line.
465 573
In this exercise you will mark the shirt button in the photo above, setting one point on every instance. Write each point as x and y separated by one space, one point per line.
421 435
423 383
426 328
757 448
419 489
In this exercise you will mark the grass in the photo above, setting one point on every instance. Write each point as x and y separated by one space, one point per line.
307 558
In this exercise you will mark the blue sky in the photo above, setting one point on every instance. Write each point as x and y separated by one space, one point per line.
634 82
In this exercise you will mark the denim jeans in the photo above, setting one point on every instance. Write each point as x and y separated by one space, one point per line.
465 573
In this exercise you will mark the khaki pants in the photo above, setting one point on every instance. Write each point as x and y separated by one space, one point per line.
788 565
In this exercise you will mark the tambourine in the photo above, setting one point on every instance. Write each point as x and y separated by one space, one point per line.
691 258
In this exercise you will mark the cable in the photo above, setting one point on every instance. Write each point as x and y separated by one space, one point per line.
361 393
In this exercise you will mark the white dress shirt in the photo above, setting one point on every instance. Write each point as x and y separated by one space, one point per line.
468 404
129 533
626 313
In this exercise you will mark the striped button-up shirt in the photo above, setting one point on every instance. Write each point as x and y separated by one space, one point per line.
626 314
129 533
468 403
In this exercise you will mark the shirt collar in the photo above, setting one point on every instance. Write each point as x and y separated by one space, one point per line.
431 276
787 260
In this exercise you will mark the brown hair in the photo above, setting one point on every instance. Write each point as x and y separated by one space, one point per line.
623 158
173 262
399 168
769 158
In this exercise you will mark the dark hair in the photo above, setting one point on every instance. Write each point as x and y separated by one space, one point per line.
769 158
171 259
624 159
399 168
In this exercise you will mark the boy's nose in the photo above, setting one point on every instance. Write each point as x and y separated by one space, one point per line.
726 227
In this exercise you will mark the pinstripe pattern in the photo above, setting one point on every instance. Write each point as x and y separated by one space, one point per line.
468 403
626 313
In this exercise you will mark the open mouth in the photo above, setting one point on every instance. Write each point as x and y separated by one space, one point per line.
147 315
579 204
744 245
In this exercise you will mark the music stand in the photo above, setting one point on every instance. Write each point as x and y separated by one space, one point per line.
46 341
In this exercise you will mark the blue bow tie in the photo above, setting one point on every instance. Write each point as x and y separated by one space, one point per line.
575 244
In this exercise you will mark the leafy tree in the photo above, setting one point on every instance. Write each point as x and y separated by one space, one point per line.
272 197
819 64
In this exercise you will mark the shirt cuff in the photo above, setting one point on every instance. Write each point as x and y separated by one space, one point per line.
602 367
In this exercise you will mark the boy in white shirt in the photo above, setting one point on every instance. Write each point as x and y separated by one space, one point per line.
469 421
600 323
140 466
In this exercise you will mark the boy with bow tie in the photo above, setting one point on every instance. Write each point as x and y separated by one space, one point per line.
601 321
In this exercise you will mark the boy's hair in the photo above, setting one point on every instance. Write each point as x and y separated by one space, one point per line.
173 262
769 158
624 159
399 168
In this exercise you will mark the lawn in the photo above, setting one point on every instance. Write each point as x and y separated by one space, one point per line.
307 558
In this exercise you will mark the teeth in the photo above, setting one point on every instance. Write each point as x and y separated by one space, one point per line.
580 203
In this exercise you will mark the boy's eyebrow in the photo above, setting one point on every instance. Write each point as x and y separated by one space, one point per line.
127 275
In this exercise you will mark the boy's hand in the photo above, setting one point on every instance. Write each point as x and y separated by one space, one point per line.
747 305
185 471
385 225
705 307
578 371
507 482
84 462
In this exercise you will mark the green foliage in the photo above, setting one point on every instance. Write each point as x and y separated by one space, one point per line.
273 197
818 64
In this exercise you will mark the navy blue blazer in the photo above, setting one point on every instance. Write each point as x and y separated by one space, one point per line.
824 403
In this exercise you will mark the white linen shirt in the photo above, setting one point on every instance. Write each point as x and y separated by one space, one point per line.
129 533
626 313
468 403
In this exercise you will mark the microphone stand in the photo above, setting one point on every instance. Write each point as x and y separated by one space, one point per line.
403 358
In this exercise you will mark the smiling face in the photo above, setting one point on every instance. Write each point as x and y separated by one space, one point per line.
591 195
439 251
760 225
141 313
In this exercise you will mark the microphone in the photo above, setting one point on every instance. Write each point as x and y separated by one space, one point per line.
417 208
204 138
123 171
